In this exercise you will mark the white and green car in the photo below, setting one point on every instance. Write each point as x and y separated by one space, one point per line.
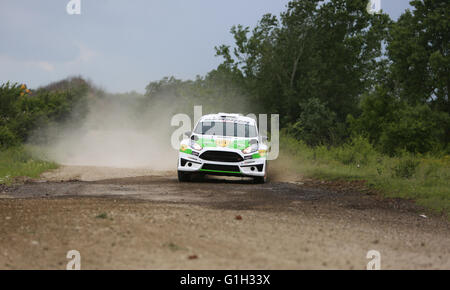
224 144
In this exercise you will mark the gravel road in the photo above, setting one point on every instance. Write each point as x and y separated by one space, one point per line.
141 219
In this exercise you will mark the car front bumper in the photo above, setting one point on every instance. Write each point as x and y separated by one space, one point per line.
254 167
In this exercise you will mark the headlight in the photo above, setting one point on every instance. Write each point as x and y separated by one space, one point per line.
196 146
250 149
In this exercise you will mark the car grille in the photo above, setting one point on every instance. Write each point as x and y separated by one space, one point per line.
215 167
221 156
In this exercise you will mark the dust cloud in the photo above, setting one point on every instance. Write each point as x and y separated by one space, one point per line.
122 131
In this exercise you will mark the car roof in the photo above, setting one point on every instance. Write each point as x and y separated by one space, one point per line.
228 117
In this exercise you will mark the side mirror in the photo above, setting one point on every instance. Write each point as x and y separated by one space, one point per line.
264 138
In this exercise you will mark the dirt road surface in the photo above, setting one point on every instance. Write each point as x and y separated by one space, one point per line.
141 219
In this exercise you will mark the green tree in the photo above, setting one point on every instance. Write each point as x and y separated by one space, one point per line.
394 125
419 51
327 50
23 110
315 124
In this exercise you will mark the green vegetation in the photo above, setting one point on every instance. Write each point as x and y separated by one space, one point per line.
174 247
103 215
23 110
18 161
423 178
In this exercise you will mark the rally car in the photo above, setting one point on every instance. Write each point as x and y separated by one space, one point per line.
226 145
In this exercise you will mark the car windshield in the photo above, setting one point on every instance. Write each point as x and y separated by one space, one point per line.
228 129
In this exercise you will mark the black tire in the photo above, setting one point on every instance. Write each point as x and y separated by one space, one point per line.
259 180
183 176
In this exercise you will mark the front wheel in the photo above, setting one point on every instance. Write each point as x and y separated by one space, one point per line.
183 176
261 179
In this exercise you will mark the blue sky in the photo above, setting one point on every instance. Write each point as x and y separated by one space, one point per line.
123 45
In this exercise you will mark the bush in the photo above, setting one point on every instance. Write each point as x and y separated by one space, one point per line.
23 110
357 151
315 123
392 125
405 168
7 138
416 129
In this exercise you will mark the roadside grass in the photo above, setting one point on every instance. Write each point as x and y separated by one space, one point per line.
174 247
20 161
103 215
422 178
